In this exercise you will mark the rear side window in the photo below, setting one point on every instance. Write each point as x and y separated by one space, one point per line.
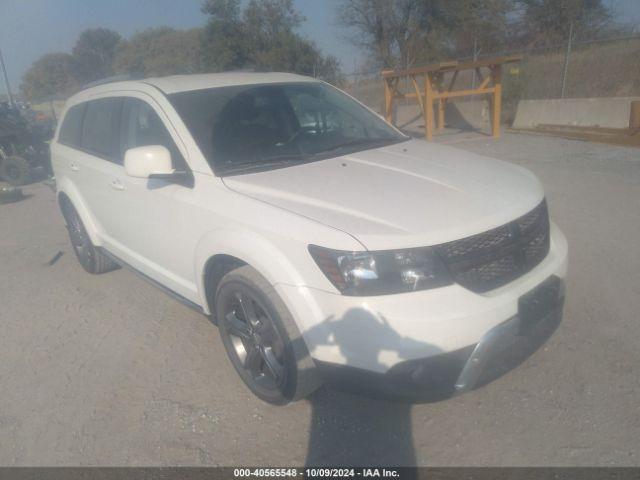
100 128
72 126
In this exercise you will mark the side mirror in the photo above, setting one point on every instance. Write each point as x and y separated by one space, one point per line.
148 161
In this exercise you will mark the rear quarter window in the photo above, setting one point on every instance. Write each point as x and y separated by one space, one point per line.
71 128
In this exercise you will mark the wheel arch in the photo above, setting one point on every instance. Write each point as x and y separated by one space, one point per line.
220 251
68 193
215 268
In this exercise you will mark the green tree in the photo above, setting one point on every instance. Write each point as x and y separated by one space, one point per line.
161 51
481 24
225 46
266 20
547 22
404 33
290 53
397 34
262 36
49 76
94 53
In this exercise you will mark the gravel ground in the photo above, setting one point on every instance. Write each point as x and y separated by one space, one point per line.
107 370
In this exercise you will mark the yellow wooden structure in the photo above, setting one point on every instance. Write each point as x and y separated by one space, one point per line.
433 88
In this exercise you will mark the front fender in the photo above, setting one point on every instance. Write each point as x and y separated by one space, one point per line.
250 247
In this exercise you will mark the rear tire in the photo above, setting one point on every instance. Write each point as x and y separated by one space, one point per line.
89 257
15 170
262 339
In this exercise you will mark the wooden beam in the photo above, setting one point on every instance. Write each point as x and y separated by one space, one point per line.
488 62
452 65
496 73
434 89
439 89
465 93
453 80
453 94
484 83
388 100
441 106
418 95
419 70
396 93
428 107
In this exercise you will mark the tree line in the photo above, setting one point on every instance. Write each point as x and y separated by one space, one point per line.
264 35
405 33
259 34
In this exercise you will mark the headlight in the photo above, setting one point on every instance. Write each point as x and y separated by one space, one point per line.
382 272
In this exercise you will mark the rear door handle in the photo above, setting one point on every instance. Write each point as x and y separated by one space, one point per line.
74 167
117 185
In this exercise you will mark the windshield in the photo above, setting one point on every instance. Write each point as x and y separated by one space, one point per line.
258 127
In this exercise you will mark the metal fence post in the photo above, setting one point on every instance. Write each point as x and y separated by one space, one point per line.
566 61
6 79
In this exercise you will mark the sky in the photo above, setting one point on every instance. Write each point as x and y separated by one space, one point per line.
31 28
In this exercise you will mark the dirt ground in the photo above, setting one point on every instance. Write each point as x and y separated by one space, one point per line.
107 370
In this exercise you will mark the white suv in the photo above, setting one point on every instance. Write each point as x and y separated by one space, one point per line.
322 241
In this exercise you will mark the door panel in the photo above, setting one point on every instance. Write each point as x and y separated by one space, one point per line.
94 161
148 219
97 175
159 240
65 150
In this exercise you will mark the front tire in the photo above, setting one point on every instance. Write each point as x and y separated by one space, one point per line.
90 258
262 339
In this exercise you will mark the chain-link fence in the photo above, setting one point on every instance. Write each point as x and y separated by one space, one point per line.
585 69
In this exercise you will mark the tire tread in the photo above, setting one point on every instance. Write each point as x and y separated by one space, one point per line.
101 263
308 378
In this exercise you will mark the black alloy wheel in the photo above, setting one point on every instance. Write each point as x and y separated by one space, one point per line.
262 339
80 241
253 342
92 259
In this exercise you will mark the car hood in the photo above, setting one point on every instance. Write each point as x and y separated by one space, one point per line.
405 195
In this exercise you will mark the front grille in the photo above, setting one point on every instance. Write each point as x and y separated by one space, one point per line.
491 259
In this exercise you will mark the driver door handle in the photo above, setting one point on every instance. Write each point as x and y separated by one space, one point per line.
117 185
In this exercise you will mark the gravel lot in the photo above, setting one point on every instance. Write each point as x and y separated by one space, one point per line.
107 370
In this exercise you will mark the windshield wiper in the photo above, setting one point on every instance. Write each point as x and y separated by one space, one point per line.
284 157
357 141
269 162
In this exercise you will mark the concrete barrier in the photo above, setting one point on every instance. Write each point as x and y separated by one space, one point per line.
611 112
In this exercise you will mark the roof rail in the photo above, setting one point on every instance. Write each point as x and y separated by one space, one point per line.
114 78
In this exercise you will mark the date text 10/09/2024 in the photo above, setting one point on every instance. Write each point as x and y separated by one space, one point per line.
316 472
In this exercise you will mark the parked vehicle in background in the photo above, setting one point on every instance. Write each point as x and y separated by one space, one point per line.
322 241
23 145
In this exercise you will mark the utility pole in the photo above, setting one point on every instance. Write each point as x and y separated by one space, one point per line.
566 61
476 53
6 79
475 58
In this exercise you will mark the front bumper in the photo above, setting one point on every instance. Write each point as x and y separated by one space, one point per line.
499 351
381 333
